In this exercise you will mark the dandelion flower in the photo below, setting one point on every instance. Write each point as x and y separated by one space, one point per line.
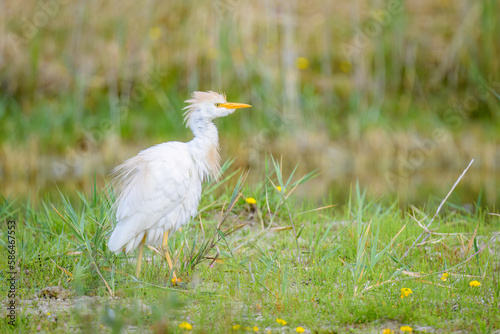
251 200
405 292
281 322
154 33
387 331
212 53
444 277
300 329
406 329
345 66
474 283
186 325
236 327
379 15
302 63
255 328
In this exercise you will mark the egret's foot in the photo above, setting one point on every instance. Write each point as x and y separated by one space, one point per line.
175 280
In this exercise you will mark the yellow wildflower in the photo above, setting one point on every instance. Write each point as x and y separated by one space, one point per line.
255 328
186 325
176 281
48 313
302 63
236 327
154 33
405 292
446 275
251 200
474 283
212 53
379 15
387 331
443 278
279 188
406 329
300 329
281 322
345 66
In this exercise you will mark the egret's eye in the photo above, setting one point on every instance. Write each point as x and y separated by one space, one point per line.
217 104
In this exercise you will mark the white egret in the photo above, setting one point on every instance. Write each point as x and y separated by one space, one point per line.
159 189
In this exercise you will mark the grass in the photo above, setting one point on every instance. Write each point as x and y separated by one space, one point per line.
331 269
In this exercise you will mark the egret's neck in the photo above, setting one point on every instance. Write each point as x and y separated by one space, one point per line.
205 148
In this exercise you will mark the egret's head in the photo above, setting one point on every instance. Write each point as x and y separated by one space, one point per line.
208 106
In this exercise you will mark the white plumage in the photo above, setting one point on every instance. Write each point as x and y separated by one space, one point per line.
159 190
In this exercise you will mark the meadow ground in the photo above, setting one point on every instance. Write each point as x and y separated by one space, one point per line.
257 261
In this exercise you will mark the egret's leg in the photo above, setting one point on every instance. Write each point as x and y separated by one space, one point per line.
175 280
139 259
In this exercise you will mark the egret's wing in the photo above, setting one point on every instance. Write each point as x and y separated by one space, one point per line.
149 187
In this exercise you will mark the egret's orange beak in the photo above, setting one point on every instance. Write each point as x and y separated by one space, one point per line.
232 105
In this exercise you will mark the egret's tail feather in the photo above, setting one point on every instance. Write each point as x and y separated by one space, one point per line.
120 239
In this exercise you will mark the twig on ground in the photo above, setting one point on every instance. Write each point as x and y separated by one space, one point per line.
426 231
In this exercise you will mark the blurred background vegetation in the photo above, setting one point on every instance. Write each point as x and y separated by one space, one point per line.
399 95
